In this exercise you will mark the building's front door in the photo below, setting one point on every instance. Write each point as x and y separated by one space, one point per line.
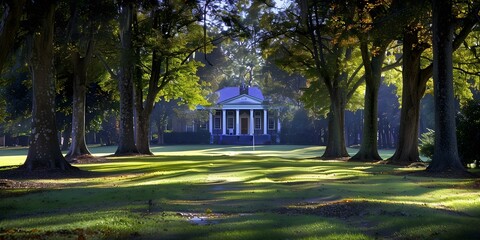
244 126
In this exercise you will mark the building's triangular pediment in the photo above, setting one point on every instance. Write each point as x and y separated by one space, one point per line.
242 99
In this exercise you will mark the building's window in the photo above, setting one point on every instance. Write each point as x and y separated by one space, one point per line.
229 113
190 127
202 125
271 124
169 124
230 122
257 113
258 123
217 123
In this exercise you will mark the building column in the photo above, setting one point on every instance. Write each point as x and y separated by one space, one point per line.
265 121
210 122
278 125
251 128
237 122
224 122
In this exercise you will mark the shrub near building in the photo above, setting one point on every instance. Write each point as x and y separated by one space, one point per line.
468 132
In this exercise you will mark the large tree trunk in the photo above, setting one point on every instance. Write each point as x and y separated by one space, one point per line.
126 144
414 85
373 76
336 129
445 156
44 151
142 133
9 27
79 146
144 108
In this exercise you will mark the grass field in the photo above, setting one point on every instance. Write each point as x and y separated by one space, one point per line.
233 192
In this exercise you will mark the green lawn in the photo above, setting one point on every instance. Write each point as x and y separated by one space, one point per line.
233 192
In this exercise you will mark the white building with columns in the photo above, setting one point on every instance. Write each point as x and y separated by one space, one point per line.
242 116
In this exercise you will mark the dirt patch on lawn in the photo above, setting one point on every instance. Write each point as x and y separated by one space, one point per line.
475 184
11 184
347 208
38 174
78 233
445 174
87 159
337 209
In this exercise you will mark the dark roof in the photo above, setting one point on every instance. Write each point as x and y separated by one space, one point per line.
231 92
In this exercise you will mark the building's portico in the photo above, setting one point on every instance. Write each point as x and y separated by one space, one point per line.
241 113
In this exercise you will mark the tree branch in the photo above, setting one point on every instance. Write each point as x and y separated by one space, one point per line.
467 72
107 67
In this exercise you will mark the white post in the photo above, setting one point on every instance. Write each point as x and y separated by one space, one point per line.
210 123
278 126
224 122
265 119
237 122
253 142
251 127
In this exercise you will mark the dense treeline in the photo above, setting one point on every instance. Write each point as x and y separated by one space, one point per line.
347 47
87 61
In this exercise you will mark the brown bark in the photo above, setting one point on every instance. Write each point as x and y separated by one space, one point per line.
79 146
142 134
414 85
144 108
373 70
126 143
445 157
44 151
9 27
336 128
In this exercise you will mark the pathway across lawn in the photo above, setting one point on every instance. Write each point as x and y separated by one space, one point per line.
233 192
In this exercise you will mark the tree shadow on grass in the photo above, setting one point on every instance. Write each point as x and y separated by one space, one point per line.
44 174
142 209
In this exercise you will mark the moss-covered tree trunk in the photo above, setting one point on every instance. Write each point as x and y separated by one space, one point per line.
126 143
44 151
445 156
